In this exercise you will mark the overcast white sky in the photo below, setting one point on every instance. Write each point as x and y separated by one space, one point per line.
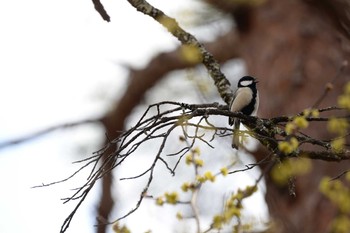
60 62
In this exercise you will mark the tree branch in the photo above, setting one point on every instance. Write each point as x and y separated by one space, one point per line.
208 60
158 124
43 132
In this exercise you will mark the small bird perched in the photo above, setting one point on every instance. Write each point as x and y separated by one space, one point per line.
246 101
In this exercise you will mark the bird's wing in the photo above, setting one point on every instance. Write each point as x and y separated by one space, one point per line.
242 98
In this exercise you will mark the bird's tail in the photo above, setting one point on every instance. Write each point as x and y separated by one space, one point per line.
235 138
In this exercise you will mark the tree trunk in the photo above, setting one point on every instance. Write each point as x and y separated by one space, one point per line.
295 49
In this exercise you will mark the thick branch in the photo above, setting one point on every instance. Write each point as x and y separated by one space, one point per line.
213 67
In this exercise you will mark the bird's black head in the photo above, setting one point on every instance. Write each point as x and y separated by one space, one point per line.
247 81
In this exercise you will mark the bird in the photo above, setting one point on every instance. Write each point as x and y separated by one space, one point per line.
246 101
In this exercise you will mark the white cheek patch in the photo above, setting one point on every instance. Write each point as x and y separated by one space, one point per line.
246 82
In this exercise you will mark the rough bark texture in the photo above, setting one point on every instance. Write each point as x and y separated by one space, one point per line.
294 47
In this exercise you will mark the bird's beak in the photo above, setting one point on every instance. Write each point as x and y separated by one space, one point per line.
256 81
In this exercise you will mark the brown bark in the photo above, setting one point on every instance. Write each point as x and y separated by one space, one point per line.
294 49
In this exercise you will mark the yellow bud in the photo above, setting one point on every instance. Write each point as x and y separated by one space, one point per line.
218 221
306 112
338 125
290 127
347 89
179 216
196 151
294 143
347 176
315 113
224 171
209 176
171 198
185 186
160 201
285 147
201 179
188 159
344 101
338 144
301 122
198 162
324 185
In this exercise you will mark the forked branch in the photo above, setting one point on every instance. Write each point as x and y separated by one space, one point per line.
195 123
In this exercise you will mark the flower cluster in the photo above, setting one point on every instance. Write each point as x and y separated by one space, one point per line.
193 158
233 207
339 194
340 126
344 99
170 198
282 172
298 122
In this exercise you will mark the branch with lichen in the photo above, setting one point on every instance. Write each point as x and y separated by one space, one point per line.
193 51
196 123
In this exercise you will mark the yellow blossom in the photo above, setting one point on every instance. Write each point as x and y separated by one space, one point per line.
290 127
218 221
224 171
198 162
285 147
188 159
288 168
185 186
200 179
118 229
347 89
196 151
294 143
341 224
347 176
338 125
179 216
171 198
160 201
301 122
315 113
311 112
338 144
344 101
209 176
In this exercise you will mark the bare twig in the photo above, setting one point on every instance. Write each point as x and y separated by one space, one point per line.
340 175
329 86
159 122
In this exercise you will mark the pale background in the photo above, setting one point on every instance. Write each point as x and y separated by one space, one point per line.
60 62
